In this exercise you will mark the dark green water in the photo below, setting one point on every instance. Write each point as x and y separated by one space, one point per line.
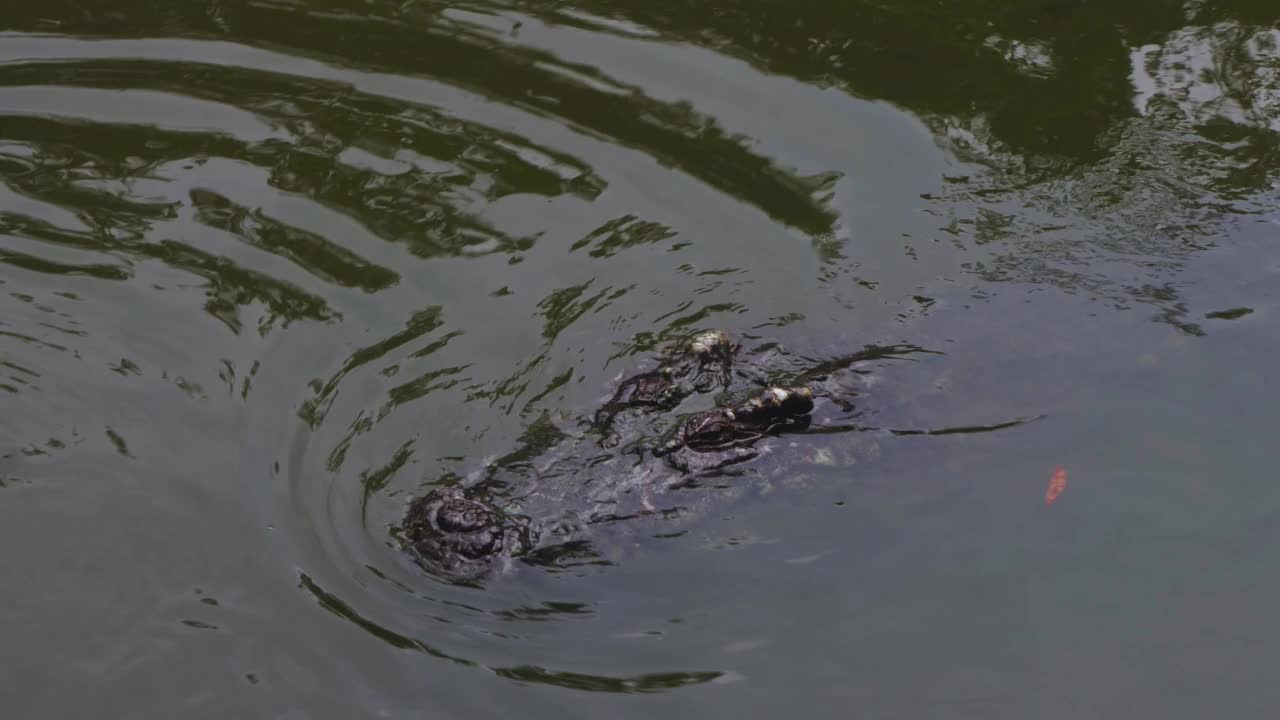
268 269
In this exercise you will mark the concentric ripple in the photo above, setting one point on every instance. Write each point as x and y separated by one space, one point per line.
268 270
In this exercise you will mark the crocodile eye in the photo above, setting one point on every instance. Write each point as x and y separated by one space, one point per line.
710 429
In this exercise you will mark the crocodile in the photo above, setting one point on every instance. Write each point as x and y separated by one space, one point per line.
560 490
519 507
550 492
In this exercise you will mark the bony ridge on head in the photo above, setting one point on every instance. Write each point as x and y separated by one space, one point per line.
710 342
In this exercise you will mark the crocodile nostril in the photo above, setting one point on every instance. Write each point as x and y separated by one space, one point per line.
482 544
459 537
464 516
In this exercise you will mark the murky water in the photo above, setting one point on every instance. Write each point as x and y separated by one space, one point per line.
268 270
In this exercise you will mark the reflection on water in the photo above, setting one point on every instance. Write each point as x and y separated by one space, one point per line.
270 269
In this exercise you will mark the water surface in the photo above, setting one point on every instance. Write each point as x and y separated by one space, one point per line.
270 269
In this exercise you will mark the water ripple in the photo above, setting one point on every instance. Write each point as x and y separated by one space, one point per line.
270 269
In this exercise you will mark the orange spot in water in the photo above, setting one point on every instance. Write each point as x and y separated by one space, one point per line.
1057 484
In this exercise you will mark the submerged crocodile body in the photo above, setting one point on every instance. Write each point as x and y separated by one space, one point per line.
559 489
